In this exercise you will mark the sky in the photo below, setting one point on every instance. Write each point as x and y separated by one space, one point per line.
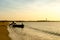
29 9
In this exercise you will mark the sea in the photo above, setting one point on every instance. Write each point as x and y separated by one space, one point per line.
35 31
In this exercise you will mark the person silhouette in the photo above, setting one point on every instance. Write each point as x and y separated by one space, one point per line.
13 23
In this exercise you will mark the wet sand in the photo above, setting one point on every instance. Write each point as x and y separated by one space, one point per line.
3 31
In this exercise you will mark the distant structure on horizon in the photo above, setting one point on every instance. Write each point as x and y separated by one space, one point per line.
46 19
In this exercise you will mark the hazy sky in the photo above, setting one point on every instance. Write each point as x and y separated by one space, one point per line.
29 9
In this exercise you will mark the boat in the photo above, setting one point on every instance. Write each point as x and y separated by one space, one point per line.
18 25
13 24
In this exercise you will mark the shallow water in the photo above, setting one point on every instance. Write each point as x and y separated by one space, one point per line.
36 31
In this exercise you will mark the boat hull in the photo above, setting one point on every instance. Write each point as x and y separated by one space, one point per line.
20 26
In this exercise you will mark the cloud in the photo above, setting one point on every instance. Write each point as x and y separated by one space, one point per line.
7 3
24 4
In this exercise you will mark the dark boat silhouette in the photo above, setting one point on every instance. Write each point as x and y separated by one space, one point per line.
17 25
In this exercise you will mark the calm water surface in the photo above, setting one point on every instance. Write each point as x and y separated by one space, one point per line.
36 31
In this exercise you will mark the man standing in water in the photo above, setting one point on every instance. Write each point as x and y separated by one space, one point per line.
13 23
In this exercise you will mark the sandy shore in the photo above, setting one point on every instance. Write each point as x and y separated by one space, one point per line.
3 31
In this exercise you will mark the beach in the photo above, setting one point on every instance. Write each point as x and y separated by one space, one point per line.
31 31
3 31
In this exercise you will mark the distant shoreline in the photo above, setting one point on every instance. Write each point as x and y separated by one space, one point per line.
27 21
